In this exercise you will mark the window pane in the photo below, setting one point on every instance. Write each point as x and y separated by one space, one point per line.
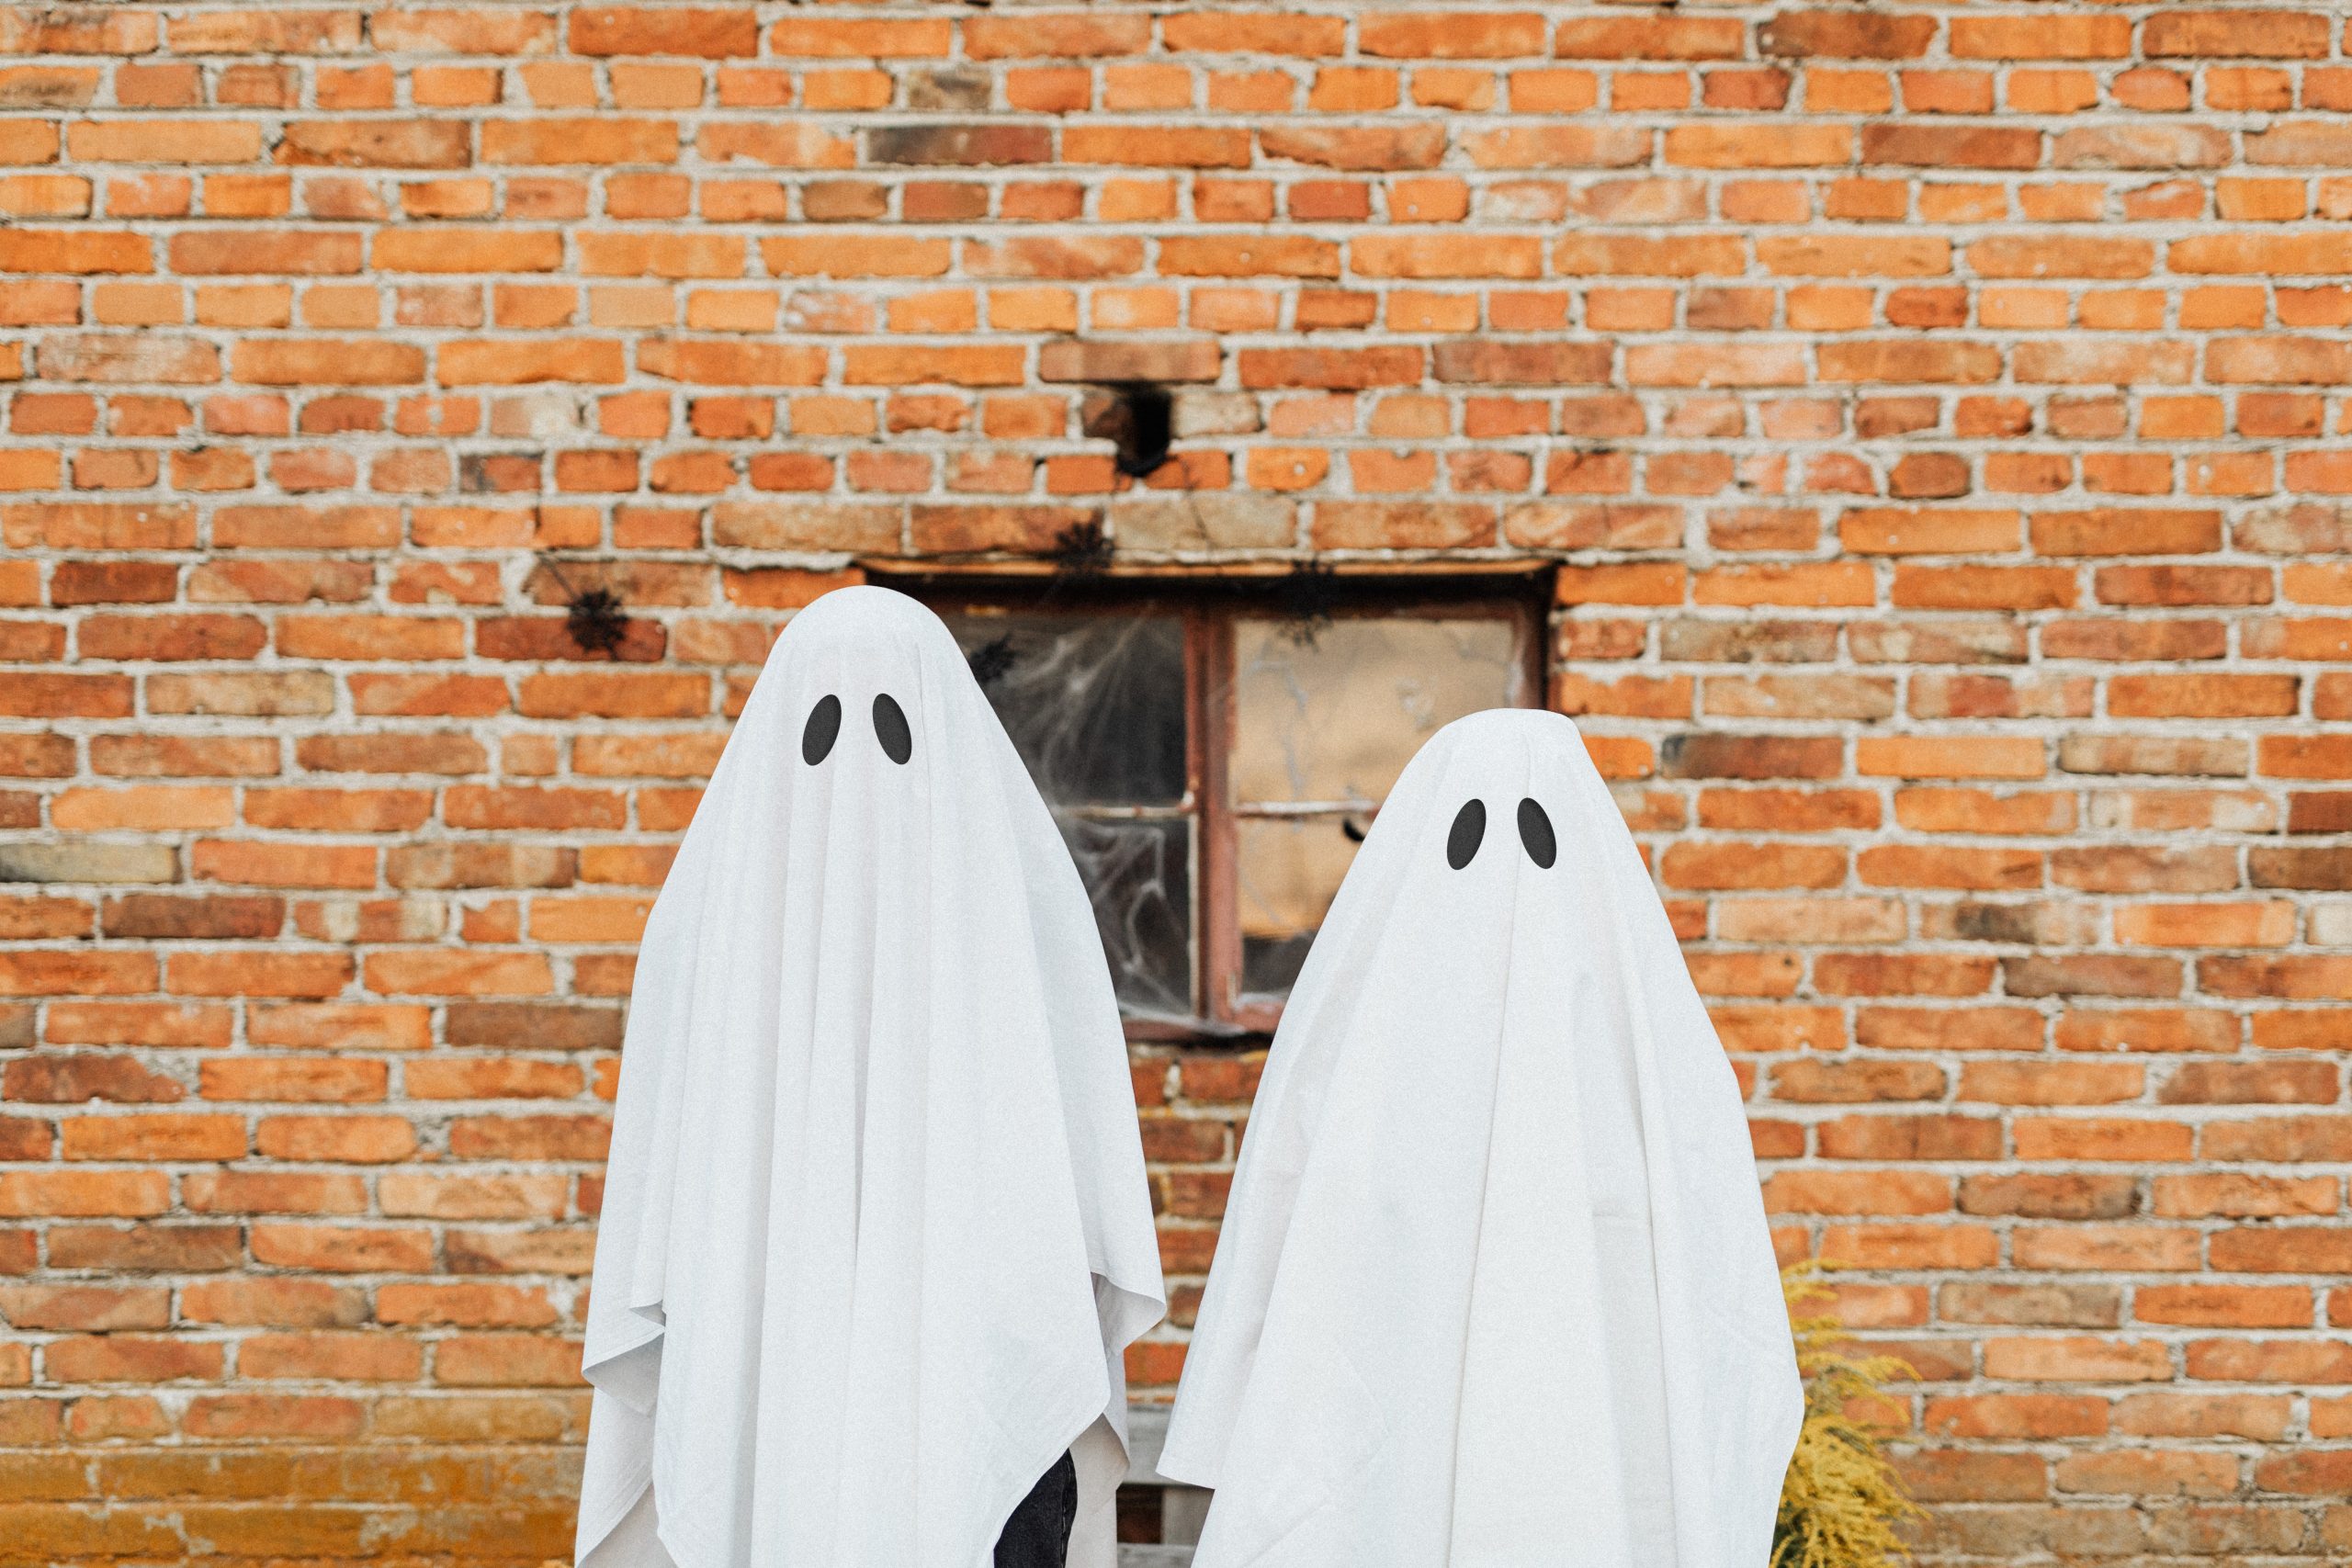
1095 704
1140 875
1335 719
1288 869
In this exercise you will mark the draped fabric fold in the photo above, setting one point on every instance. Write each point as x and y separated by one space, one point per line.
1494 1286
875 1232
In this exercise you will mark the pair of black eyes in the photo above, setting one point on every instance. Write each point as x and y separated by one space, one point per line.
824 727
1470 828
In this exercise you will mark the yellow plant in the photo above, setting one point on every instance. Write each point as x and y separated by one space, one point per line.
1842 1501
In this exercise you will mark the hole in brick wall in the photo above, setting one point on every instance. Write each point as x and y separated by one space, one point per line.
1138 419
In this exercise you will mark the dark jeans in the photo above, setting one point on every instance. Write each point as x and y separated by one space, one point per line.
1037 1536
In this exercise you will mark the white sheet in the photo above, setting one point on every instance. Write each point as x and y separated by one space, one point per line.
1495 1288
876 1230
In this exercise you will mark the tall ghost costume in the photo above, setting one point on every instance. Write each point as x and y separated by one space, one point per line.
875 1231
1495 1289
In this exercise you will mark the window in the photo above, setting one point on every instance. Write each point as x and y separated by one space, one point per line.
1215 749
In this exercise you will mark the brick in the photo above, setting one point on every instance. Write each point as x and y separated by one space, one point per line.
1331 369
2100 1138
461 31
1879 1136
2259 1416
573 140
1180 147
2077 1359
2138 1249
1872 1192
1372 148
2227 34
1451 35
1596 147
1648 38
163 917
132 1359
2224 1306
113 358
2318 1473
878 38
2048 1197
530 1137
1950 757
293 973
478 1360
41 971
1734 864
1744 146
712 33
156 1136
426 972
164 141
457 249
297 1079
400 144
494 364
2041 38
1909 1245
1142 360
1937 146
368 1140
1065 35
342 1249
1511 364
1848 35
2040 1416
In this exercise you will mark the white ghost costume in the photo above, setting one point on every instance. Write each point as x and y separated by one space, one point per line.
875 1232
1495 1288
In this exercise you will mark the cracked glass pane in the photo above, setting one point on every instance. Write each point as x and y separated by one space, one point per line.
1138 875
1333 718
1094 704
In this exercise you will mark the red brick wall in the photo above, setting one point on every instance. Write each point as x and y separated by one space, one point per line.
1938 410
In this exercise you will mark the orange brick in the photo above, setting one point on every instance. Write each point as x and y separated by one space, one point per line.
1451 35
1974 756
156 1136
342 1248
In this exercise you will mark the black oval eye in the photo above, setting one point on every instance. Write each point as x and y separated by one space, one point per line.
891 728
824 724
1469 827
1535 832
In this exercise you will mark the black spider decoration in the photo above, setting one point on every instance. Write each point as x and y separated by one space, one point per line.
1082 550
992 660
1306 596
597 621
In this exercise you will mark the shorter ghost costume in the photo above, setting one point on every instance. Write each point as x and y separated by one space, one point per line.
1495 1289
875 1231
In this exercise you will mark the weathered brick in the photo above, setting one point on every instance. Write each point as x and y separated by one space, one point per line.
710 32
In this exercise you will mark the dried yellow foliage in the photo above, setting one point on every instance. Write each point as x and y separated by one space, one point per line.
1842 1503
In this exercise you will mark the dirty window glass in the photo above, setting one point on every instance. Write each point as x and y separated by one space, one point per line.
1208 899
1322 725
1095 706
